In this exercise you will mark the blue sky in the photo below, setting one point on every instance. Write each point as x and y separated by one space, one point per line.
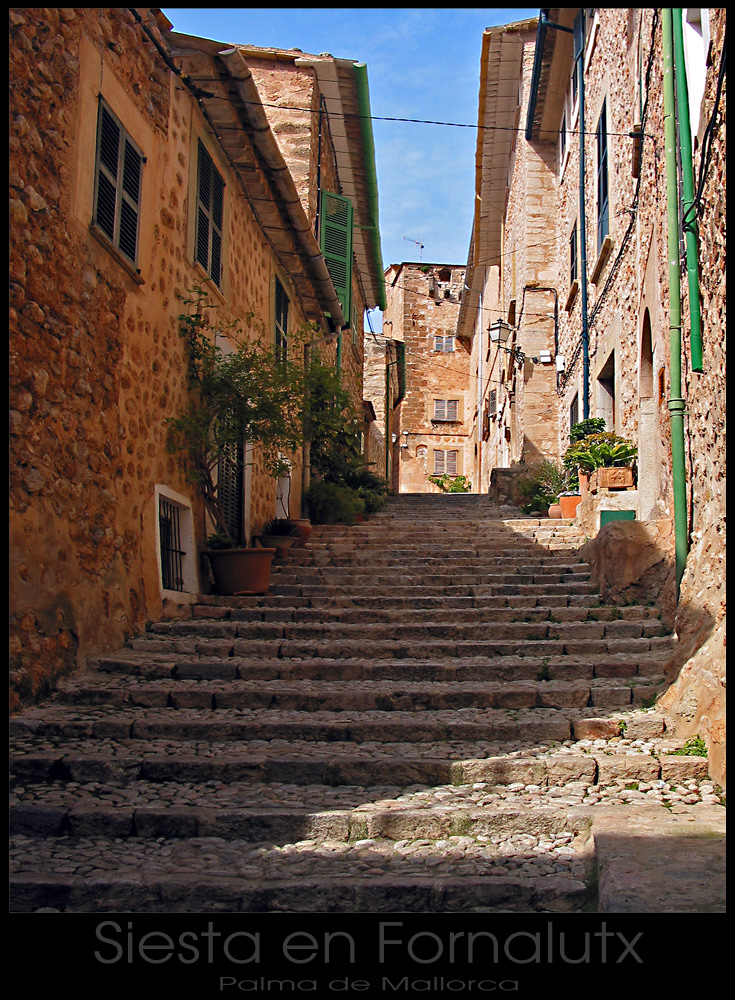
422 63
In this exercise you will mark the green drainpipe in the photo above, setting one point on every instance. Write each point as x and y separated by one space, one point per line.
676 403
687 193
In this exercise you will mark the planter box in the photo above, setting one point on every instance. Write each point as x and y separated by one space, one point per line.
611 478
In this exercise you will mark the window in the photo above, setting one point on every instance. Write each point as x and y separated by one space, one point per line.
210 204
574 412
176 550
445 409
444 345
446 462
281 322
335 240
117 184
573 260
603 203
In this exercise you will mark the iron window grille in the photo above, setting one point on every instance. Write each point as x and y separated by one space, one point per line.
118 175
172 554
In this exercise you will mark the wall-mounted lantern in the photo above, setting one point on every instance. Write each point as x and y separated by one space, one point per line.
499 333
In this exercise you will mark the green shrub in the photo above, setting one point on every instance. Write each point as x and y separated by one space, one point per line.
452 484
330 503
592 425
542 485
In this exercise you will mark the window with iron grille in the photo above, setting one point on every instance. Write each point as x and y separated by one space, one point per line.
172 553
446 409
118 175
446 462
281 322
444 345
573 260
210 208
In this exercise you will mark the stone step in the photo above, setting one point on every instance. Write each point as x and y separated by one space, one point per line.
369 631
524 726
205 666
301 772
528 641
309 695
371 875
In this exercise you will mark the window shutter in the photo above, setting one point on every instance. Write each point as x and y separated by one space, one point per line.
493 407
452 409
118 178
438 463
281 319
210 207
440 409
336 244
452 463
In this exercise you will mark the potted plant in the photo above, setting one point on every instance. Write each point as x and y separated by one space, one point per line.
279 533
607 459
239 392
540 489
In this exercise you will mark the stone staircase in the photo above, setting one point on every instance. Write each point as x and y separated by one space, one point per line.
430 711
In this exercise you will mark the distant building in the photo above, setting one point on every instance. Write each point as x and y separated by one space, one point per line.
430 428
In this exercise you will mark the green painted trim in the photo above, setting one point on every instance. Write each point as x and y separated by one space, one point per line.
677 405
366 130
687 193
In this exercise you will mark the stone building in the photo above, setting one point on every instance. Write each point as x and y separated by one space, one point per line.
571 259
143 163
429 430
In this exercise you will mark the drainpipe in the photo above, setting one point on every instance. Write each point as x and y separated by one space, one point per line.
676 403
687 200
579 58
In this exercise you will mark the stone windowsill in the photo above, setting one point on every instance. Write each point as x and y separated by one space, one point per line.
607 245
573 290
119 257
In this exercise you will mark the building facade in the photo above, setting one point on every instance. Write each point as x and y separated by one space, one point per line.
430 430
591 118
144 164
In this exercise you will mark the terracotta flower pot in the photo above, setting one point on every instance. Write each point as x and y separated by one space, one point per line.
555 510
281 543
241 571
304 528
569 505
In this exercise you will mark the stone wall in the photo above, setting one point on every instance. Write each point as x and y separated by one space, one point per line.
97 362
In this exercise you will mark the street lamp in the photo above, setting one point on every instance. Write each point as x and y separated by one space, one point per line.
500 332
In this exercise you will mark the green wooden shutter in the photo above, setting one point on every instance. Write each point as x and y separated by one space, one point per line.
335 239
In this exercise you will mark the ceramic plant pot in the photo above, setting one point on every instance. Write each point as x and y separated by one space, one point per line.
241 571
555 510
569 505
304 527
